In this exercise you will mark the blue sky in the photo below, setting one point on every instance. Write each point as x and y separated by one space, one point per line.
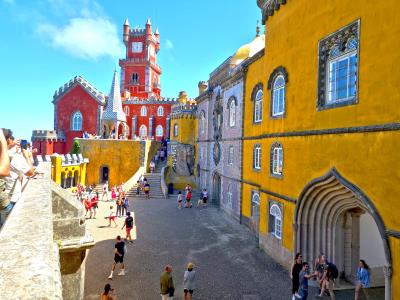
47 42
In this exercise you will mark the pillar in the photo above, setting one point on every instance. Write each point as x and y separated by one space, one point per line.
387 271
134 127
167 127
150 133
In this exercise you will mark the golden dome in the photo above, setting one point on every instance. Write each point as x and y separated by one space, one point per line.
248 50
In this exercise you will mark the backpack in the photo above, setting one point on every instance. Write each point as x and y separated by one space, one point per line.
332 269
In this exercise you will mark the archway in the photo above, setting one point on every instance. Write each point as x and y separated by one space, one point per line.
76 178
216 189
104 174
69 180
63 183
336 218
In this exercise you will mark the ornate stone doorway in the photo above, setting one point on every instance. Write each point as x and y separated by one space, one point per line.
216 195
335 218
104 174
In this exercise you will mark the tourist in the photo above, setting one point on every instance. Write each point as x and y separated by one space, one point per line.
88 206
111 217
156 158
108 293
188 199
303 280
188 282
118 257
113 194
328 280
120 203
147 190
319 268
167 288
126 204
179 199
4 171
187 189
162 155
105 191
362 278
129 225
138 187
297 266
152 166
94 205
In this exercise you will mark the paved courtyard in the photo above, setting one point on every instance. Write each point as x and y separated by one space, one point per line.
227 261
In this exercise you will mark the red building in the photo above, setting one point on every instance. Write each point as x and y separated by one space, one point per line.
78 106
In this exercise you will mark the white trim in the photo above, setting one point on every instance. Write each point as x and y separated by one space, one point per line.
275 93
257 157
160 111
258 106
76 121
143 111
159 130
276 212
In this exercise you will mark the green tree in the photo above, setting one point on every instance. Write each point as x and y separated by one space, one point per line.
76 148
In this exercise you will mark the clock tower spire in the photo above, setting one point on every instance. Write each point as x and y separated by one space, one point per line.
140 74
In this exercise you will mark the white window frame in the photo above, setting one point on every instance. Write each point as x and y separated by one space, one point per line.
159 131
143 131
257 157
230 155
276 99
143 111
276 212
277 160
347 56
229 196
232 114
258 106
160 111
202 122
255 201
77 121
176 130
126 110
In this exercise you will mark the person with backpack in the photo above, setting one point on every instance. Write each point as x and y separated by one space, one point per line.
119 253
328 280
129 225
362 278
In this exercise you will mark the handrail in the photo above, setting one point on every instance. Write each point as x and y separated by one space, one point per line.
164 187
134 179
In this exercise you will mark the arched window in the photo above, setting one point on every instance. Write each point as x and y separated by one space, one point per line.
176 130
275 221
135 78
126 110
143 111
76 121
232 113
160 111
278 96
257 157
143 132
229 196
276 159
202 122
255 204
258 106
159 130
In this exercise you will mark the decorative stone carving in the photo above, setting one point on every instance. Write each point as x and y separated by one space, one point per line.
218 117
216 153
268 7
184 159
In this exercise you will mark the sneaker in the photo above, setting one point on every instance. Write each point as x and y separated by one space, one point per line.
297 295
121 273
110 277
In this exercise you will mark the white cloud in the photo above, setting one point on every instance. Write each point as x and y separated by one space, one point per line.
169 44
84 37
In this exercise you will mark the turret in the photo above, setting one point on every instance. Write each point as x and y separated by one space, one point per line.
157 36
182 97
202 87
148 26
126 32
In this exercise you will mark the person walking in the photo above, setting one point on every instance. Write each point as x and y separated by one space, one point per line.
129 225
147 190
179 200
119 252
108 293
167 288
188 199
188 282
119 205
111 217
304 276
205 197
328 280
297 266
363 276
105 191
94 205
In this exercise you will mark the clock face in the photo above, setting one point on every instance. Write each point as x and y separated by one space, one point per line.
137 47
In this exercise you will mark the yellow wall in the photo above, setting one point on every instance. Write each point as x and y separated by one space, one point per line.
121 156
187 130
57 169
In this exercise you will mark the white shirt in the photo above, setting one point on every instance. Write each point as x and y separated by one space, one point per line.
18 167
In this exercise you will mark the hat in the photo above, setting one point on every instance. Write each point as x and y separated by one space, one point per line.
190 266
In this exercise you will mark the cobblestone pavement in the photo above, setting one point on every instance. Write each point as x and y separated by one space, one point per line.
228 263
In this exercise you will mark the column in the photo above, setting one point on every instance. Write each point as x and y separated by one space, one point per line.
387 271
167 127
150 133
134 127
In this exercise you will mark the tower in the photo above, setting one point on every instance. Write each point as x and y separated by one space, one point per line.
140 74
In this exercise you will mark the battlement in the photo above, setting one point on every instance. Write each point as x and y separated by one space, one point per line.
40 135
150 100
137 31
180 110
87 86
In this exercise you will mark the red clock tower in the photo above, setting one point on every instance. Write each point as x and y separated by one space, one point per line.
140 74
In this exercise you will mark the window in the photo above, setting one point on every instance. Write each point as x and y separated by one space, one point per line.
229 196
232 111
230 155
257 157
275 221
202 122
255 205
276 159
126 110
143 132
258 103
76 121
176 130
201 153
338 67
159 130
135 78
143 111
160 111
278 96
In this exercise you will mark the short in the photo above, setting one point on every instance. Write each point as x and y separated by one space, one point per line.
188 291
205 199
146 192
179 201
188 199
128 230
118 259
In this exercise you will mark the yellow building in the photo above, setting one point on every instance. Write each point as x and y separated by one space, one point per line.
182 159
321 136
68 171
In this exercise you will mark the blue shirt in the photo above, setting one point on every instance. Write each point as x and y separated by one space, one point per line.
363 276
304 280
